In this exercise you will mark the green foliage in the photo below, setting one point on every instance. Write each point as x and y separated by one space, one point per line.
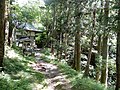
67 70
26 13
59 17
86 84
41 39
98 61
77 81
46 51
4 84
23 84
18 75
116 7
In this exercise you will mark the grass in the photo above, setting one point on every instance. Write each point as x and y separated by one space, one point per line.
86 83
67 70
18 75
77 81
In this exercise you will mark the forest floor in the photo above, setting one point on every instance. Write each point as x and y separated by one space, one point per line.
41 72
54 78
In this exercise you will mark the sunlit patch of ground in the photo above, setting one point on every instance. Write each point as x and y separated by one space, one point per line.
11 53
25 73
55 80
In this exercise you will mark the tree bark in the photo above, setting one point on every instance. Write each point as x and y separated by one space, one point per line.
98 56
53 28
98 64
77 52
118 54
104 72
2 31
10 34
11 26
86 73
77 49
67 27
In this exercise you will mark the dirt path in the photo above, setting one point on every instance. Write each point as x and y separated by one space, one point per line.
55 80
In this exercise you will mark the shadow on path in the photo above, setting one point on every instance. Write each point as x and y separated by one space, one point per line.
55 80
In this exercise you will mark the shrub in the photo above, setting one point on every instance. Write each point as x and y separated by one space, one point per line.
86 84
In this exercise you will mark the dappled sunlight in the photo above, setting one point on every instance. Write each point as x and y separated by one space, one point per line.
54 78
10 53
37 86
59 44
19 69
24 74
17 74
51 57
5 76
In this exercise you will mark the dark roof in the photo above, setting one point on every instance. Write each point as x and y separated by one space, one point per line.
29 27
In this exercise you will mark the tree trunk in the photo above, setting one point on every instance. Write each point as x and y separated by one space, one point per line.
2 31
104 72
86 73
11 26
10 34
98 58
65 41
61 49
67 27
77 52
6 21
118 60
53 29
118 54
77 49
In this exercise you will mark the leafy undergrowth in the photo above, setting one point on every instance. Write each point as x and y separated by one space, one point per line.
67 70
17 74
77 81
86 84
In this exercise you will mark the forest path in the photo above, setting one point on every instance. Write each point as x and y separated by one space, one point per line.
54 79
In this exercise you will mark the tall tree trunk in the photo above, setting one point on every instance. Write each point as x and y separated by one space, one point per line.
98 58
67 27
65 41
60 33
11 26
118 54
6 22
53 28
61 49
86 73
104 72
2 31
77 50
10 34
